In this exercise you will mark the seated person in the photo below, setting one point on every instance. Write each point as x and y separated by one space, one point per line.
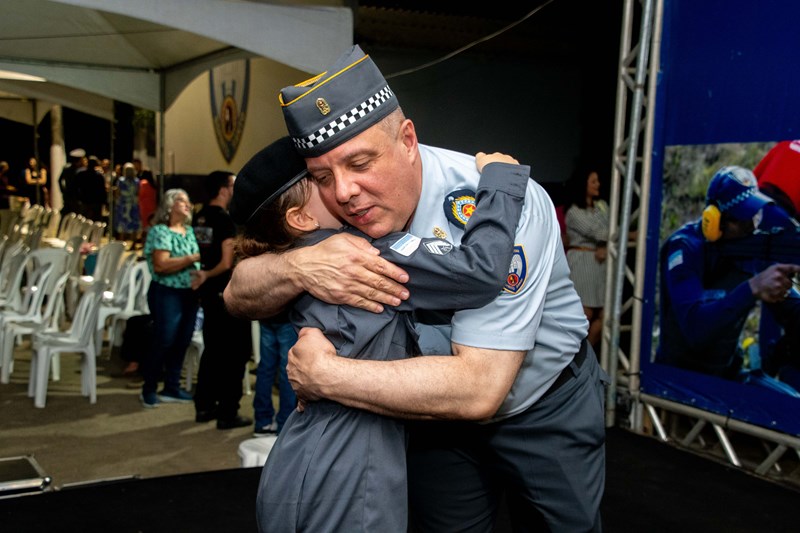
706 295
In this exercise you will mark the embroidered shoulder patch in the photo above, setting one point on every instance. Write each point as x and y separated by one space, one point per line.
517 272
438 247
459 205
406 245
676 259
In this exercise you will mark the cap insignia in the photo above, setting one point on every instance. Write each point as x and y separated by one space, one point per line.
323 106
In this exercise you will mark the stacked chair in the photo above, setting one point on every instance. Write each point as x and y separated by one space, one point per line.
79 338
30 304
44 294
116 298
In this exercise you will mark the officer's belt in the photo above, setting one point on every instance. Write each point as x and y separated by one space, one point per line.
568 373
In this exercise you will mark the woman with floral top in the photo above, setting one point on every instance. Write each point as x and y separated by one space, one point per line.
173 257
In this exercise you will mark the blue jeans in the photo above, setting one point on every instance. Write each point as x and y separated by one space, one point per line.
276 339
174 312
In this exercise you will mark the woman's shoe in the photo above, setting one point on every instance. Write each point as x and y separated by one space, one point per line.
175 396
149 400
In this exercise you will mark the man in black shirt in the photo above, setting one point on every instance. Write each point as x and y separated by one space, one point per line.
68 184
226 338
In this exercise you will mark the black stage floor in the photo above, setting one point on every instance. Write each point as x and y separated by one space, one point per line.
651 487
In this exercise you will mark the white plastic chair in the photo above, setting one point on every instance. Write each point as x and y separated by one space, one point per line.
96 232
37 314
74 267
11 275
135 302
66 225
42 268
78 339
115 299
107 265
21 269
192 359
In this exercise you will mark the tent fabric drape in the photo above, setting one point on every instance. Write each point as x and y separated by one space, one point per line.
125 50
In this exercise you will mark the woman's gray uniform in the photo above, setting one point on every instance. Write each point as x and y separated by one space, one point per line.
334 468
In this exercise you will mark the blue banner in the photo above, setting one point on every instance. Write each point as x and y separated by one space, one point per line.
727 93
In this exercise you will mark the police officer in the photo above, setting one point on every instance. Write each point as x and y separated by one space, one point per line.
707 296
522 390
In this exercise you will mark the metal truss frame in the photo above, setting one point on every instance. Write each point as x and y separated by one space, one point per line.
630 173
629 210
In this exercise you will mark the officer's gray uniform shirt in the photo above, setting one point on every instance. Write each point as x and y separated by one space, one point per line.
538 311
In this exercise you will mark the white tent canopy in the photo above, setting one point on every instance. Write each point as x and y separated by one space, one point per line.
43 96
145 52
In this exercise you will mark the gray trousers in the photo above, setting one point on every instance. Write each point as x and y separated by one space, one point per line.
549 461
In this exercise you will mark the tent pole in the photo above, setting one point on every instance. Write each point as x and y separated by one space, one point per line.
57 157
111 184
36 150
161 128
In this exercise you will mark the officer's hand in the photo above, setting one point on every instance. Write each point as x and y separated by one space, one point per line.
345 269
772 284
306 364
482 159
600 254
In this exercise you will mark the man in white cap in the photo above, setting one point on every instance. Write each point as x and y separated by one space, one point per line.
707 294
519 403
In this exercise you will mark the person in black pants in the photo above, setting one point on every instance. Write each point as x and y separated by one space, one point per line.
226 338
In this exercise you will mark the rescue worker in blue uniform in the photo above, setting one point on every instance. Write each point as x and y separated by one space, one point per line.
706 296
511 393
322 471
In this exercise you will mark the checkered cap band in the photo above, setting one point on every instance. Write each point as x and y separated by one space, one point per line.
345 121
736 200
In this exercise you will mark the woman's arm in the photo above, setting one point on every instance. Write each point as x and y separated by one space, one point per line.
164 263
443 276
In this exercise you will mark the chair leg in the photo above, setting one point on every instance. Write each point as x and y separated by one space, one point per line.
98 340
118 331
33 375
42 370
7 356
89 375
255 334
190 362
55 366
247 389
112 334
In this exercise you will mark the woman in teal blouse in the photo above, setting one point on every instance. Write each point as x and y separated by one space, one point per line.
173 257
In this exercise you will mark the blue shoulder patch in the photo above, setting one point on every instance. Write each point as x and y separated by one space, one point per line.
675 259
459 205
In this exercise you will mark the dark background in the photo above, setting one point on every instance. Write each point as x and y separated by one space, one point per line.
543 91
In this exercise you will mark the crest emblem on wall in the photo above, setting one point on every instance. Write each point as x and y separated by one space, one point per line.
230 84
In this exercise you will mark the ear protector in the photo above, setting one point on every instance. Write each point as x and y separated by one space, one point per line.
711 223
